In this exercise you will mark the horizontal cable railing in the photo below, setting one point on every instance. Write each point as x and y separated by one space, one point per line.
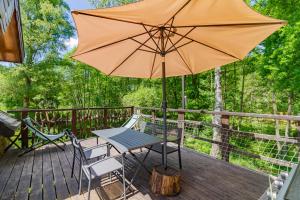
262 142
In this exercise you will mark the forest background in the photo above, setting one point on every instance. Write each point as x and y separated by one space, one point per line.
267 81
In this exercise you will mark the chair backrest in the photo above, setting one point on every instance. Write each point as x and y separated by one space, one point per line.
70 135
34 127
78 148
174 133
131 122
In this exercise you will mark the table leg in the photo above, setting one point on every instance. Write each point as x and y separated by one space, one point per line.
141 164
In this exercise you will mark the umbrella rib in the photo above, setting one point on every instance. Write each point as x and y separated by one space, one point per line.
178 11
129 56
110 18
122 40
182 37
208 46
147 51
153 50
182 58
151 74
169 33
239 24
174 49
151 36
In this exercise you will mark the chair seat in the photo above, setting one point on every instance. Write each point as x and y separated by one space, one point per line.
159 148
102 167
55 137
95 152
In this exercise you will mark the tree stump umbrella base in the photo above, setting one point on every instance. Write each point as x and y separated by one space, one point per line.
165 182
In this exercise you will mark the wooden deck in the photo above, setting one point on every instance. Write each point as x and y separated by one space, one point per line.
46 174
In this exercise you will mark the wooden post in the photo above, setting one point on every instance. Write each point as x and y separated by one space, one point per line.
74 121
105 119
225 138
181 125
24 129
132 110
153 116
298 138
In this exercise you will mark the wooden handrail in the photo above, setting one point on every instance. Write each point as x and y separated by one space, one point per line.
227 113
66 109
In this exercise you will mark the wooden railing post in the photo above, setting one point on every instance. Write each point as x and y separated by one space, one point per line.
24 129
298 138
181 125
105 118
153 116
74 121
225 150
132 110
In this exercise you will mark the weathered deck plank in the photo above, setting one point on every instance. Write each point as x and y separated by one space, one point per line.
60 183
46 174
13 181
48 177
71 182
7 170
25 179
36 186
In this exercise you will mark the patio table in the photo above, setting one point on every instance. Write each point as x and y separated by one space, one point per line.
126 140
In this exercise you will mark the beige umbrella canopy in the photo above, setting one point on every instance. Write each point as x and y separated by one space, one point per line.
162 38
198 36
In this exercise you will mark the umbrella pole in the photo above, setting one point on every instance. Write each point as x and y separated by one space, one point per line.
164 93
164 108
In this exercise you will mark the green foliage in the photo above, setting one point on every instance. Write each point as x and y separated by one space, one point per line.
50 79
110 3
143 97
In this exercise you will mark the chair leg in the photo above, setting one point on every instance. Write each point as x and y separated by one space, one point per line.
80 180
162 155
73 164
124 180
62 142
80 167
32 148
89 189
51 141
179 158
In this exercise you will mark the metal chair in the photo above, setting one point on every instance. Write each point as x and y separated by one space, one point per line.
174 136
99 168
99 151
42 138
130 123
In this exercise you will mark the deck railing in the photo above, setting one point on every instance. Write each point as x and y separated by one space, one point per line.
263 142
245 139
80 120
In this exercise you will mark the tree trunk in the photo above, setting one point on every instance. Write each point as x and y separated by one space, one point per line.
215 149
165 181
289 112
26 100
277 134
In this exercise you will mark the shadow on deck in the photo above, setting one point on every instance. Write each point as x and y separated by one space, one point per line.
46 174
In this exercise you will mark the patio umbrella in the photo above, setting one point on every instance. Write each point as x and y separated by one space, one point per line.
163 38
